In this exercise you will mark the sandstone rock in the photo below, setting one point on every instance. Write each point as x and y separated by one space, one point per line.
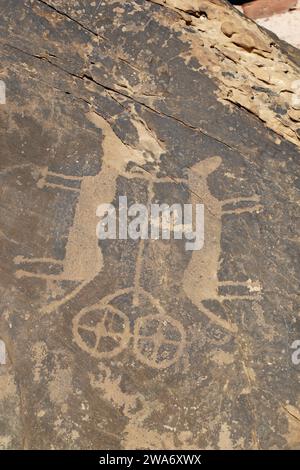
294 114
228 28
140 343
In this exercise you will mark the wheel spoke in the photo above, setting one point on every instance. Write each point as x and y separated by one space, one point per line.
88 328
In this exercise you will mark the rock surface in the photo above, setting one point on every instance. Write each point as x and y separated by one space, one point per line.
141 344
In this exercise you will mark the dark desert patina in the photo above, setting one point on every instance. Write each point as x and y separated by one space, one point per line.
124 344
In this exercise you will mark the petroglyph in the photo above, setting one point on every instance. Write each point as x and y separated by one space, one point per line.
108 326
83 259
162 346
136 435
103 331
200 282
123 344
108 333
131 404
200 279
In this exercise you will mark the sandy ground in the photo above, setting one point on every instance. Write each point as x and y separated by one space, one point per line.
285 25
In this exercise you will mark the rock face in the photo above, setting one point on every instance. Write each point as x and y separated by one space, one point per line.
122 344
